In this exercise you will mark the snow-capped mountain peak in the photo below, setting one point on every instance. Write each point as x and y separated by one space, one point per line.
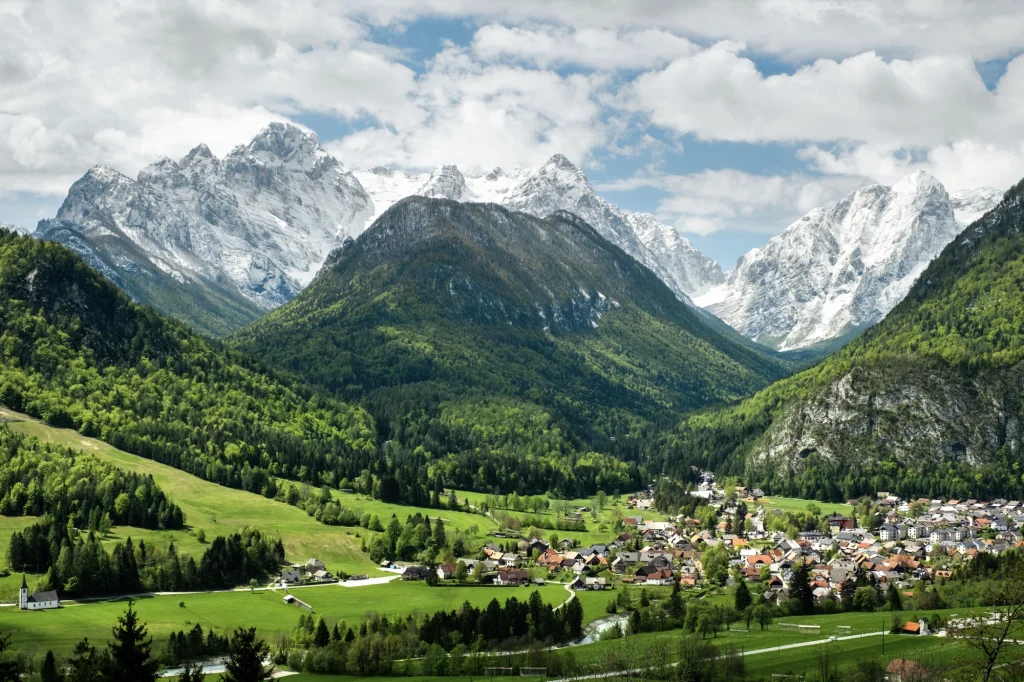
841 268
557 185
261 220
971 204
446 182
11 227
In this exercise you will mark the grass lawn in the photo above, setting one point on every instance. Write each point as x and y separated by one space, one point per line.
605 518
476 525
216 509
795 504
61 629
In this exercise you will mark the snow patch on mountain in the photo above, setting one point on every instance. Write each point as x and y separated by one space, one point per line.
262 219
841 268
14 228
971 204
387 186
557 185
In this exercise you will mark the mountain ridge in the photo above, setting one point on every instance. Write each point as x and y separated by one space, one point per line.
926 402
840 269
443 306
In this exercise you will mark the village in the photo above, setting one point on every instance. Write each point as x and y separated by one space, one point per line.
740 535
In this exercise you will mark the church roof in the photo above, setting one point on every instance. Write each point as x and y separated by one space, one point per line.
24 585
48 595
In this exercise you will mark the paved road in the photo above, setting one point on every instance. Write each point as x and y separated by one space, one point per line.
753 652
145 595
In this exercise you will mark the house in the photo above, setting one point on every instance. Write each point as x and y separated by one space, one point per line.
596 583
314 565
550 559
915 628
624 560
415 573
321 576
291 575
38 601
511 577
446 571
509 560
577 584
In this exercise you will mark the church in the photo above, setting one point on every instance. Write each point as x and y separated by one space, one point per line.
37 601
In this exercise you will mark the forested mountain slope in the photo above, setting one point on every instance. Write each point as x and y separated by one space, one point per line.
927 402
504 348
77 352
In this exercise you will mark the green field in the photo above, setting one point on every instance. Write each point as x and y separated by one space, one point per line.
795 504
219 510
59 630
614 505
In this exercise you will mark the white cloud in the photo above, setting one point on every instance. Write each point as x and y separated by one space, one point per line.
713 200
124 83
476 114
717 94
596 48
892 87
965 164
798 29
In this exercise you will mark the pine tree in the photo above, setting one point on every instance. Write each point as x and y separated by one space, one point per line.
323 635
128 656
247 652
49 672
895 602
574 618
439 538
10 671
801 596
85 664
676 608
743 598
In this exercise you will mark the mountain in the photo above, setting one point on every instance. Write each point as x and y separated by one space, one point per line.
387 186
840 269
558 185
510 345
970 204
926 402
232 236
14 228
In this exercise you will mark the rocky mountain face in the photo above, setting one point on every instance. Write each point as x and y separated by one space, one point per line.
840 269
558 185
255 225
928 401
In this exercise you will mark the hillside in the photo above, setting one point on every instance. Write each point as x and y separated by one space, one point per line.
78 353
503 347
927 402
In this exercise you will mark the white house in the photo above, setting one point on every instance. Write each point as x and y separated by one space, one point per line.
37 601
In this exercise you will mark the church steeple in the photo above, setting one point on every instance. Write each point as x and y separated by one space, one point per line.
23 593
24 585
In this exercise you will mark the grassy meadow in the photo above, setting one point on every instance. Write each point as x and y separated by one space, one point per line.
61 629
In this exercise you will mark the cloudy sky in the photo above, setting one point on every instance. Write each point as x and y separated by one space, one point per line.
727 120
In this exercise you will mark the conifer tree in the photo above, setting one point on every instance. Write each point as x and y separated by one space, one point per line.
743 598
245 663
128 656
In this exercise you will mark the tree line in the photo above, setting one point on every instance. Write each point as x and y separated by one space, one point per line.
77 564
